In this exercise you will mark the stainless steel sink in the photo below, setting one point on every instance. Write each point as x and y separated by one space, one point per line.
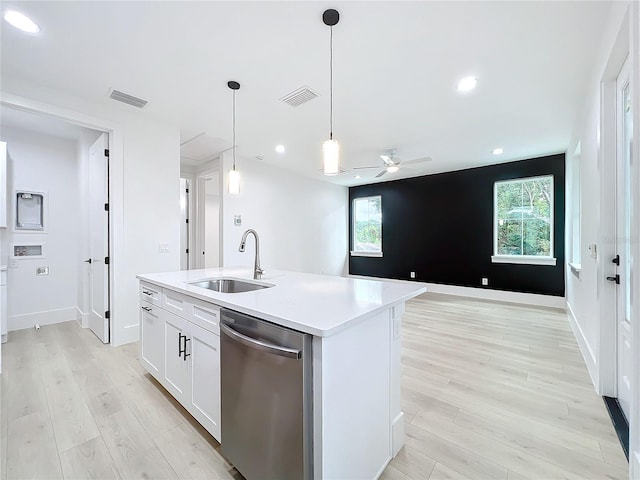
229 285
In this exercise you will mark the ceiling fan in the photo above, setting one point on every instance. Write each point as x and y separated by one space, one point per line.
391 163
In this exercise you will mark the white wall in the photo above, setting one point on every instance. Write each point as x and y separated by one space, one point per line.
589 295
45 164
144 204
302 223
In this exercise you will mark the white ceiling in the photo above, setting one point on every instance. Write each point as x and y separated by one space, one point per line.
396 65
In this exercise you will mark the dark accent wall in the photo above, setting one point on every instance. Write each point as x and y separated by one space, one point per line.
441 227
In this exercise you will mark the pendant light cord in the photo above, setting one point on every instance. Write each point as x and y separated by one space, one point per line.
331 86
234 129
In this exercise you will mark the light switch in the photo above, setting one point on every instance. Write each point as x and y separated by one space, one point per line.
163 248
237 220
42 271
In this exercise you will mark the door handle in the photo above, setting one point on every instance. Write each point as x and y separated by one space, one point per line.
146 309
614 279
88 261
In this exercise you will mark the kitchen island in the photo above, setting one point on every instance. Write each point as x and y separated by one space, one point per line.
356 424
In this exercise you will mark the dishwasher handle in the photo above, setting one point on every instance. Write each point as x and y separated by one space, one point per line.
260 345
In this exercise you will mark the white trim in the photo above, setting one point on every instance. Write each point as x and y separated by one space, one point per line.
47 317
499 295
82 318
575 268
523 259
587 354
355 253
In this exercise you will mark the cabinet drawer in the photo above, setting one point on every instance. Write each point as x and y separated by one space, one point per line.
175 302
205 315
150 293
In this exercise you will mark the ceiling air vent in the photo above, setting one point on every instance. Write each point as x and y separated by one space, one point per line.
128 99
299 96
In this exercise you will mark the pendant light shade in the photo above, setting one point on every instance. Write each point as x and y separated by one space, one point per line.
234 174
331 157
331 148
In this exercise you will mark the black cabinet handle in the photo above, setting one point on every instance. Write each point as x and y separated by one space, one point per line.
146 309
185 348
180 350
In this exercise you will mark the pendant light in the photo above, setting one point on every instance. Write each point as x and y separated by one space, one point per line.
234 174
331 148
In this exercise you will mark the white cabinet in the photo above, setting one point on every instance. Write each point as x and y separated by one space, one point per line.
204 398
180 347
176 366
151 339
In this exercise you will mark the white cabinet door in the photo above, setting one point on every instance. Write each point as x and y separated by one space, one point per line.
176 365
151 340
204 401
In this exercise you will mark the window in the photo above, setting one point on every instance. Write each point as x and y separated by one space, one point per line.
523 221
367 226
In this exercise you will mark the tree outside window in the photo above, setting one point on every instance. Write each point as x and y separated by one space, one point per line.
367 225
524 217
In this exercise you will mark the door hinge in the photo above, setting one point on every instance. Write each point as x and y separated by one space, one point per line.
106 207
106 152
106 260
186 221
187 190
107 314
187 250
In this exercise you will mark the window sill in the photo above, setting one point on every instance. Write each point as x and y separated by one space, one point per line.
523 260
575 269
366 254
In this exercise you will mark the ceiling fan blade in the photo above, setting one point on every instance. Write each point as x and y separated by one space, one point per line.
381 173
387 159
417 160
372 166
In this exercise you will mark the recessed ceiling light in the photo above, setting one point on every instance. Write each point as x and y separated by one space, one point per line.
467 84
280 148
357 176
497 151
392 169
21 21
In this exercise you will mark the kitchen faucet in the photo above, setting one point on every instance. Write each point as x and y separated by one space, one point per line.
257 271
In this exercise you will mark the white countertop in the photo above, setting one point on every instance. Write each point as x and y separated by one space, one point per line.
321 305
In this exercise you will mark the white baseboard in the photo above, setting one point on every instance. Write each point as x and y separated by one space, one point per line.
82 318
129 334
397 434
585 348
48 317
499 295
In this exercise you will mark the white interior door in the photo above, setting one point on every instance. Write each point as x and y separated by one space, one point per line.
99 238
623 240
208 224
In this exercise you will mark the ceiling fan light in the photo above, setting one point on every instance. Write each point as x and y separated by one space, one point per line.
331 157
392 169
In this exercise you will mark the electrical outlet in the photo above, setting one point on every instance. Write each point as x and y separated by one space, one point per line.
412 274
485 281
163 248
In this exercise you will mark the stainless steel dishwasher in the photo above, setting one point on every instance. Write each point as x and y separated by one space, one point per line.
266 398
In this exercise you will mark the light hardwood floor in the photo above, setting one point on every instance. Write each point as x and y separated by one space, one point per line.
490 391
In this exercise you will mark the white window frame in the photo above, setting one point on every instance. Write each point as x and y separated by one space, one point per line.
523 259
363 253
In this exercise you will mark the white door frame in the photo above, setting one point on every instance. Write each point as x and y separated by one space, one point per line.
116 177
607 349
199 214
